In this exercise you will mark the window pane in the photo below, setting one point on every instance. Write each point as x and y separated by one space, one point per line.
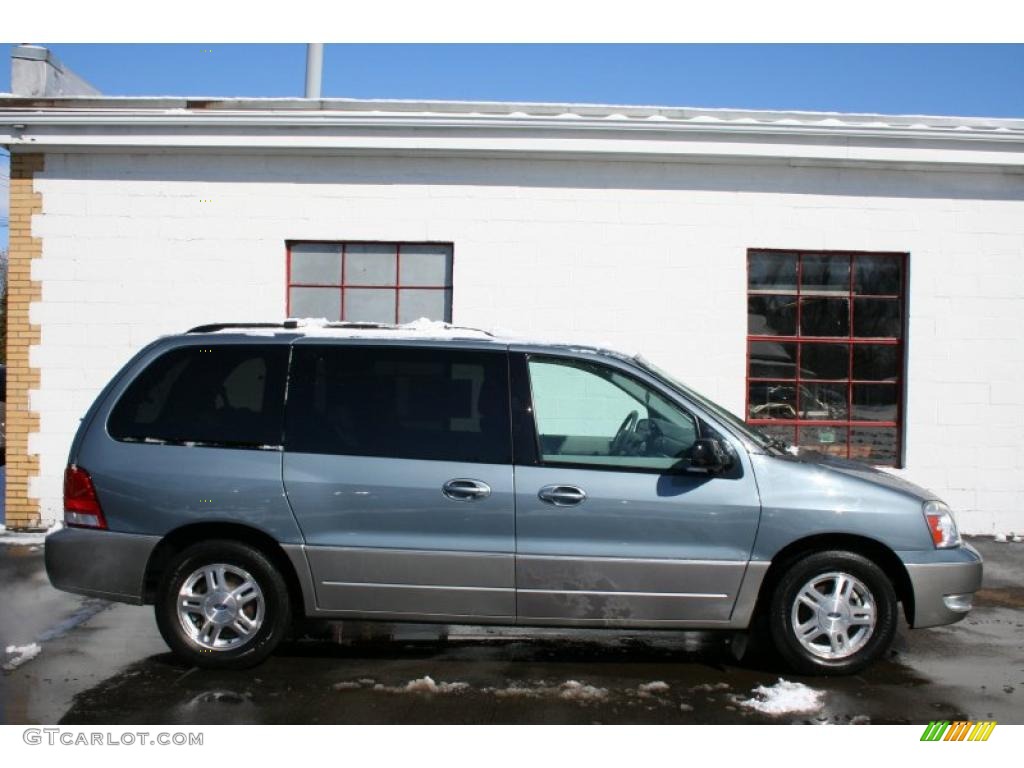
774 272
414 304
771 400
825 317
877 318
825 274
877 275
876 362
229 395
785 434
874 402
315 302
316 263
370 264
825 361
589 414
426 265
443 405
875 445
771 316
772 360
823 402
828 440
370 305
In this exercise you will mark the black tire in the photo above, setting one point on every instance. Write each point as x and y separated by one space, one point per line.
248 652
800 573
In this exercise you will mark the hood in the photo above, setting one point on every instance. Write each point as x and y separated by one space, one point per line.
863 472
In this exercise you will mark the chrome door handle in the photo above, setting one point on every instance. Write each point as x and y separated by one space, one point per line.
463 489
562 495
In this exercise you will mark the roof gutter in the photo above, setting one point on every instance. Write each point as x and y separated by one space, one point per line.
613 136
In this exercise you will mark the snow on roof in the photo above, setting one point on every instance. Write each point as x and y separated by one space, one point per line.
520 111
417 330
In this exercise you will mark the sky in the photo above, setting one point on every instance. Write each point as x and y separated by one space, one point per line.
967 80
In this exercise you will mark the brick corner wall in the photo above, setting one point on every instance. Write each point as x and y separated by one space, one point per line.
22 511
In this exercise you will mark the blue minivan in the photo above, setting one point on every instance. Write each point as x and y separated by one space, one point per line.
241 477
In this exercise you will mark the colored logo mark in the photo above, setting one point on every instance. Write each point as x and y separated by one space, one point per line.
958 730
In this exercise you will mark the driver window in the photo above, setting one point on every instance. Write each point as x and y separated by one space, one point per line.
589 414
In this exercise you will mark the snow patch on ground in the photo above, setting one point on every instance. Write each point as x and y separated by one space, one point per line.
1002 538
16 538
425 684
658 686
709 687
573 690
19 654
785 698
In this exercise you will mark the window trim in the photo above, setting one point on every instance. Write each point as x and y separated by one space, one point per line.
900 385
125 386
397 287
534 455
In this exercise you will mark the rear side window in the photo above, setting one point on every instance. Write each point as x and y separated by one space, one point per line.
229 396
445 405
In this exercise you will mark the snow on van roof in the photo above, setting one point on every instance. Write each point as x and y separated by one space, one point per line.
420 330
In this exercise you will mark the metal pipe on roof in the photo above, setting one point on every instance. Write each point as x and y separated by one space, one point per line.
314 69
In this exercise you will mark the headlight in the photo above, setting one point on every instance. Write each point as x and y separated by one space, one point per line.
941 525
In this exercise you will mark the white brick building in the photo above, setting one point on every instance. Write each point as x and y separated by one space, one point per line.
700 238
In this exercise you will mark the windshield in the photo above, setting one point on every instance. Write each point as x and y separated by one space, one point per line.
754 435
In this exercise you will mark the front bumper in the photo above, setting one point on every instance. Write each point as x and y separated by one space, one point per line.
944 587
99 563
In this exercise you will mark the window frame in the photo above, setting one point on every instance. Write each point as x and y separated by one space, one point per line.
527 445
397 287
126 387
799 339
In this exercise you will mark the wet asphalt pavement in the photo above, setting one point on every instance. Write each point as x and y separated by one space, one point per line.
103 663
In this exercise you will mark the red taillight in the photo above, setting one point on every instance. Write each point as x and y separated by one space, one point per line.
81 507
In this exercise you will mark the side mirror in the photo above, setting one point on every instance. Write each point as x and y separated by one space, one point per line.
708 457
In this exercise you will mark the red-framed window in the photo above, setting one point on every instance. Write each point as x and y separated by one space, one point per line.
380 282
825 350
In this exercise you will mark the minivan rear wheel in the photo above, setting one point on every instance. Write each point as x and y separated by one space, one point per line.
833 613
222 604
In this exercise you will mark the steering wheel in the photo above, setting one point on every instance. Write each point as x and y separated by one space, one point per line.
627 426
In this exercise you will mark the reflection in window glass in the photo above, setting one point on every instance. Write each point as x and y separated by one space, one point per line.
825 361
771 400
827 357
772 360
876 362
828 440
771 315
875 445
822 401
370 282
877 275
772 272
874 402
824 317
592 415
877 318
825 274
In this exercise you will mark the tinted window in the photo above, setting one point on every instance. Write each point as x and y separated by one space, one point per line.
446 405
226 395
591 415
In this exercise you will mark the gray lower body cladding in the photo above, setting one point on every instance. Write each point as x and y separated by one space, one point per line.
99 563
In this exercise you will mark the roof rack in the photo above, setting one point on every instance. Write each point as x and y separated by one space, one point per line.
350 325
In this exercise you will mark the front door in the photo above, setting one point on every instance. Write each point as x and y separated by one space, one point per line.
398 467
611 528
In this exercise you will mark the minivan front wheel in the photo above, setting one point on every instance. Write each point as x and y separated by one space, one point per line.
222 604
833 613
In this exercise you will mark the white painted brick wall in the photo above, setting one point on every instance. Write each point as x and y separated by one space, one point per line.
640 256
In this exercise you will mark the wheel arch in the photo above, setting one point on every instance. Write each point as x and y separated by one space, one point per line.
187 535
872 549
